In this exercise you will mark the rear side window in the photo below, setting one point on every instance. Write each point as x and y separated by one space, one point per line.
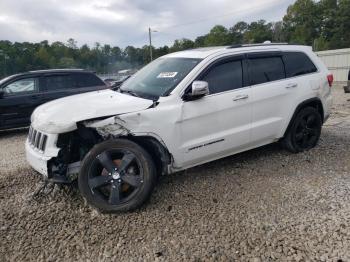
225 77
297 64
266 69
57 82
86 80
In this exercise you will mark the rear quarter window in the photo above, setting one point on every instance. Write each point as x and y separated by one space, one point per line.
298 63
87 80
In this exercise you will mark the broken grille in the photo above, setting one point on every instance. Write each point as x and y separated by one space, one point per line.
37 139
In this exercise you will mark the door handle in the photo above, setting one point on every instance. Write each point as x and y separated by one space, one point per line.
240 97
292 85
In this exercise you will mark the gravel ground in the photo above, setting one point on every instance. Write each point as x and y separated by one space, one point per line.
261 205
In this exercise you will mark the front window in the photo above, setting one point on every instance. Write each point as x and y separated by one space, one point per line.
160 77
27 85
225 77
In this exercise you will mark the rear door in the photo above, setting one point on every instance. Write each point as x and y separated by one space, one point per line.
273 95
21 96
58 85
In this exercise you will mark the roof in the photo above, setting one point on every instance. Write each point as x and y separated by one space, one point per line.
205 52
47 71
65 70
198 52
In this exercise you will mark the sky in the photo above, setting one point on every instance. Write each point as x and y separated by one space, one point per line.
126 22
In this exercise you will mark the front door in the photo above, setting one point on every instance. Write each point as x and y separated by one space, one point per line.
219 123
18 101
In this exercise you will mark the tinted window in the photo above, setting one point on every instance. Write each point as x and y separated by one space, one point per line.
266 69
298 64
27 85
224 77
86 80
57 82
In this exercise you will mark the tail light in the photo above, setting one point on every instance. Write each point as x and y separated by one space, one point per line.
330 79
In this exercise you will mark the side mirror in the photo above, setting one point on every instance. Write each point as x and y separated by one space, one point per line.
1 93
198 90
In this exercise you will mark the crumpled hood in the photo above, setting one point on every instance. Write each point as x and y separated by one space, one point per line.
61 115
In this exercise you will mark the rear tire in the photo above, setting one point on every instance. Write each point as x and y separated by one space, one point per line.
304 132
117 176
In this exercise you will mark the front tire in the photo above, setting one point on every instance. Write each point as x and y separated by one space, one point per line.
304 132
117 176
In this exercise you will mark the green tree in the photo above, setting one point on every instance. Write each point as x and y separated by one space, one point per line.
278 34
302 22
66 62
341 33
182 44
43 57
218 35
200 41
258 32
237 32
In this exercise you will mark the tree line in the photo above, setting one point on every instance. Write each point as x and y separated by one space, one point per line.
323 24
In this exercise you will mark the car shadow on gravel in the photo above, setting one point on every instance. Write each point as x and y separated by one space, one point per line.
265 163
234 162
13 132
190 184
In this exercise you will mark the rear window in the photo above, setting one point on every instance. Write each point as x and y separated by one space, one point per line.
57 82
86 80
266 69
297 64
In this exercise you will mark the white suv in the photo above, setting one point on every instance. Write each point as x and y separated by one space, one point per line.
182 110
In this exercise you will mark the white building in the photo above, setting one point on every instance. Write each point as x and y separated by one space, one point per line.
338 62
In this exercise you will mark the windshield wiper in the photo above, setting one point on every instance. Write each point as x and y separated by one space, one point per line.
129 92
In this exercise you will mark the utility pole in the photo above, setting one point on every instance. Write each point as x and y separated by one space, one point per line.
150 42
150 31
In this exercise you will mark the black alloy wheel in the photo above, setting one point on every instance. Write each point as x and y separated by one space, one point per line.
117 175
305 131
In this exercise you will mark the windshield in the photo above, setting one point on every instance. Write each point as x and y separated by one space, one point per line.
160 77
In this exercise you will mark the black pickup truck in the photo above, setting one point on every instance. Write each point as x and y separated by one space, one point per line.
20 94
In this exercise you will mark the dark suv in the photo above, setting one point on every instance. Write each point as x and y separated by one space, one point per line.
20 94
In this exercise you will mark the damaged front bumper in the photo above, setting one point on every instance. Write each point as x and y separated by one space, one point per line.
37 160
41 151
41 164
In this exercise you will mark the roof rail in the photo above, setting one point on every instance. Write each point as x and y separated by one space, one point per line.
267 43
58 70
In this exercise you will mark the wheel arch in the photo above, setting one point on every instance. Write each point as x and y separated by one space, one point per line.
159 153
311 102
150 142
